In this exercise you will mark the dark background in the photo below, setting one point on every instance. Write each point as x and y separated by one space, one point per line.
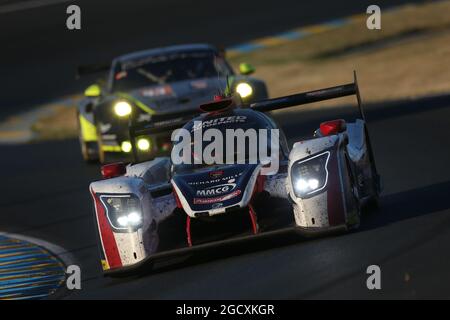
39 55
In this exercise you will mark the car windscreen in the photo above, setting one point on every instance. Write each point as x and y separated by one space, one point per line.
163 69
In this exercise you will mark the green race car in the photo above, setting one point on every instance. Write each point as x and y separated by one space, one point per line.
155 84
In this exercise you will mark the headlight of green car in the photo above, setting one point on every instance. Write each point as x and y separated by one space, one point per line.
122 109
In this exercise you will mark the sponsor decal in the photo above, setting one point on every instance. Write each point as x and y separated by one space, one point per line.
199 84
120 75
156 92
104 127
227 178
109 137
168 122
216 174
218 121
217 205
217 199
216 190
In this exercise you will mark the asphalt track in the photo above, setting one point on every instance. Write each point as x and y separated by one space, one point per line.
45 186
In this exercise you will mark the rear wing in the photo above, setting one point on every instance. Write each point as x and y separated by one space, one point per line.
169 122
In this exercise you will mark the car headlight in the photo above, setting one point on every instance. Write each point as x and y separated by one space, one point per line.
122 108
123 212
244 89
143 144
311 175
126 146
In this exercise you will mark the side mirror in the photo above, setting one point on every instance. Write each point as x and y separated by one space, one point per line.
246 69
93 91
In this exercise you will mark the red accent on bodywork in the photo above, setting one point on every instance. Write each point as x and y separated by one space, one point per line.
253 219
258 188
107 236
335 205
188 218
260 181
332 127
217 199
177 199
188 230
113 170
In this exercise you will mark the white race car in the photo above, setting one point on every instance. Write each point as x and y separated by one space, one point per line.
153 209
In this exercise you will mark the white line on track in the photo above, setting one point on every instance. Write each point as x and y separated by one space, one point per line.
66 257
31 4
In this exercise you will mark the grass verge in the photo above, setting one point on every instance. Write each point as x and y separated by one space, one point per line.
408 57
61 124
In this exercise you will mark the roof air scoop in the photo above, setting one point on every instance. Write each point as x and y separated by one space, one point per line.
220 104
